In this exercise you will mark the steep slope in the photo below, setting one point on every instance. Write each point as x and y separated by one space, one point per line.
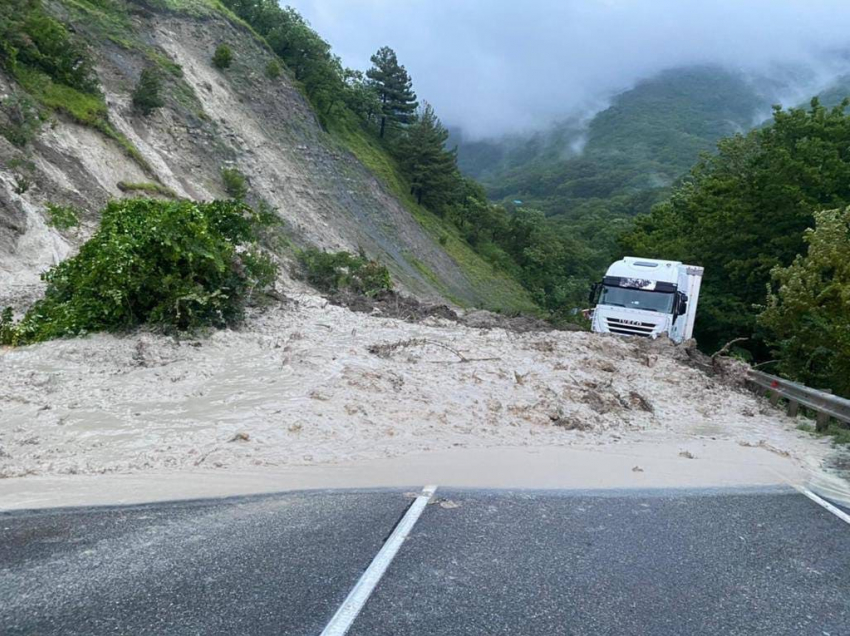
238 117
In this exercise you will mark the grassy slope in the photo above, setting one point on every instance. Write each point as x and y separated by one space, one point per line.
501 291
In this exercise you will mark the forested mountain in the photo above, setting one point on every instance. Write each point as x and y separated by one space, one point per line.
647 138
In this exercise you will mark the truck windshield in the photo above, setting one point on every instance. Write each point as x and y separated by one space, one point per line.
661 302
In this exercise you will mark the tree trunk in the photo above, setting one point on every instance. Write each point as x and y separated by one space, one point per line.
383 125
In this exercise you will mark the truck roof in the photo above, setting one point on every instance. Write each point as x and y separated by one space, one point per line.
646 268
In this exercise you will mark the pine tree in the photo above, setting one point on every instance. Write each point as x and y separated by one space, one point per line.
395 88
430 168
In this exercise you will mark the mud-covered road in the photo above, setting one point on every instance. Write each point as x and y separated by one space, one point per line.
308 383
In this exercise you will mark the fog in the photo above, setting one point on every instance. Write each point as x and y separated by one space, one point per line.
499 66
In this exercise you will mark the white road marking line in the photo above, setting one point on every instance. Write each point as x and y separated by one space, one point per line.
823 502
362 590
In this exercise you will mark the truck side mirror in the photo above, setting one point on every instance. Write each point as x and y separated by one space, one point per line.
682 309
593 289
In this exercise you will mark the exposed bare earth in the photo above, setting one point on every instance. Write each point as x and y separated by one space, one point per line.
309 383
239 118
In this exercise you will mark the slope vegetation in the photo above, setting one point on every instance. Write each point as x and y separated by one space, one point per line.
240 118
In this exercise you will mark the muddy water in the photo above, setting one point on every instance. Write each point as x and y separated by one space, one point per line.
299 387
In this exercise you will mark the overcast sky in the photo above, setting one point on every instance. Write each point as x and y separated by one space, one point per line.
495 66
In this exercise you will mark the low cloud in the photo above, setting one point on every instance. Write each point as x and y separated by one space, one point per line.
496 66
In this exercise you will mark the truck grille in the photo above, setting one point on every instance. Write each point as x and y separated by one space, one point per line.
630 327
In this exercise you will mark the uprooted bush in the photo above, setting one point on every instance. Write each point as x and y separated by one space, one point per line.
332 272
177 266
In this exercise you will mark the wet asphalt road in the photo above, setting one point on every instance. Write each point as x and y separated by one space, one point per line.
477 562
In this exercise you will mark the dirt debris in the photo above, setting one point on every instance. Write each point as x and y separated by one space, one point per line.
315 383
391 304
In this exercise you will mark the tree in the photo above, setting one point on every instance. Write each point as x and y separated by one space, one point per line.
430 168
360 96
147 95
742 212
808 307
306 54
394 87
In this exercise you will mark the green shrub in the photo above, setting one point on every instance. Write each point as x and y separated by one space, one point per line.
30 38
223 57
273 69
235 183
62 217
337 271
20 119
176 265
147 96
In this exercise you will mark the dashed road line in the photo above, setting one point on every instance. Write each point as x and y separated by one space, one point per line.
362 590
824 503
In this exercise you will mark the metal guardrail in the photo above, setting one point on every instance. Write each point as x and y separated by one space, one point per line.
825 404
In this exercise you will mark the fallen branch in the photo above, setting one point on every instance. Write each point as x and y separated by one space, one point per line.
763 364
461 361
385 350
725 349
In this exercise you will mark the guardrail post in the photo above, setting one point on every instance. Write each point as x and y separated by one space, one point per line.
822 422
793 407
823 403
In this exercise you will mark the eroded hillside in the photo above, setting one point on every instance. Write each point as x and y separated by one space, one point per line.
239 118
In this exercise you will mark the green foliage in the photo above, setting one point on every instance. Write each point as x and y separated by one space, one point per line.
342 271
147 96
355 106
7 326
147 188
223 57
62 217
808 307
175 265
360 97
394 88
235 183
55 68
34 40
743 212
304 52
20 119
273 69
429 167
591 179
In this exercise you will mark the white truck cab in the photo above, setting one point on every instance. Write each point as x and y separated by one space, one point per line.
647 297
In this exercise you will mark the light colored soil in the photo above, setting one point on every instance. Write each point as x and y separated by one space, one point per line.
653 462
310 384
